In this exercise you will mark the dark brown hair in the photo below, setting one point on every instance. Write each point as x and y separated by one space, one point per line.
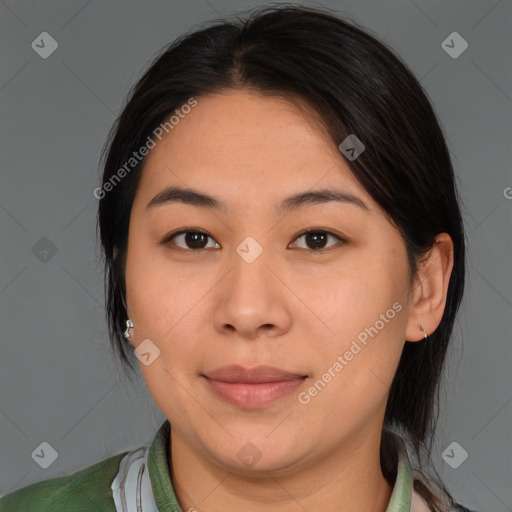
355 84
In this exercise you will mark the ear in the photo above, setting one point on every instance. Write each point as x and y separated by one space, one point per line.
430 289
115 252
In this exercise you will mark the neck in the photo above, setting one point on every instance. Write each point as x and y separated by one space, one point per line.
347 479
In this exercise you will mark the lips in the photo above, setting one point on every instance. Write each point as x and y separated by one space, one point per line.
258 374
252 387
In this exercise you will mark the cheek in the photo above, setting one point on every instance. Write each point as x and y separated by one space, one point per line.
363 320
162 308
354 296
169 319
159 296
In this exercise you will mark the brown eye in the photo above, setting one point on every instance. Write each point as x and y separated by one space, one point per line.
192 240
316 239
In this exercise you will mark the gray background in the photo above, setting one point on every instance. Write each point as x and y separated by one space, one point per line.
58 380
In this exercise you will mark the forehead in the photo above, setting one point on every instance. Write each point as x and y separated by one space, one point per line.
242 145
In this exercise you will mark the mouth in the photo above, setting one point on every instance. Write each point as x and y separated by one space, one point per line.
252 388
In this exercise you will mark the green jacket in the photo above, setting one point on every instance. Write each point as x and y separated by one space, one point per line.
95 488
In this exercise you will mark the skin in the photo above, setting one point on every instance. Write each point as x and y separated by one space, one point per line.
294 307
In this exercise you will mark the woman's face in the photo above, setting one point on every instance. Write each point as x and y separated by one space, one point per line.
253 290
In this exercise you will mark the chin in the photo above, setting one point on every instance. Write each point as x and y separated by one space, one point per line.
257 454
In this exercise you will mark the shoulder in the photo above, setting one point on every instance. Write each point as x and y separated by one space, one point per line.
81 491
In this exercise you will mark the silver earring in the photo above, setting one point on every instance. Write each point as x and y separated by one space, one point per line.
424 332
129 325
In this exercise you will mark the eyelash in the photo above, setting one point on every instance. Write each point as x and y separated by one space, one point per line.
170 237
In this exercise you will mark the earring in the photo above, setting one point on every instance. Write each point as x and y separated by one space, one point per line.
129 325
423 331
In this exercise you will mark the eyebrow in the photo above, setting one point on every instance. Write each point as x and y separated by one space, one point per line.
194 197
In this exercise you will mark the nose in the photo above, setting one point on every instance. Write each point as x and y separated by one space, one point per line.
252 299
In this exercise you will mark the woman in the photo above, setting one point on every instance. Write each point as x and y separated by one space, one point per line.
284 256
